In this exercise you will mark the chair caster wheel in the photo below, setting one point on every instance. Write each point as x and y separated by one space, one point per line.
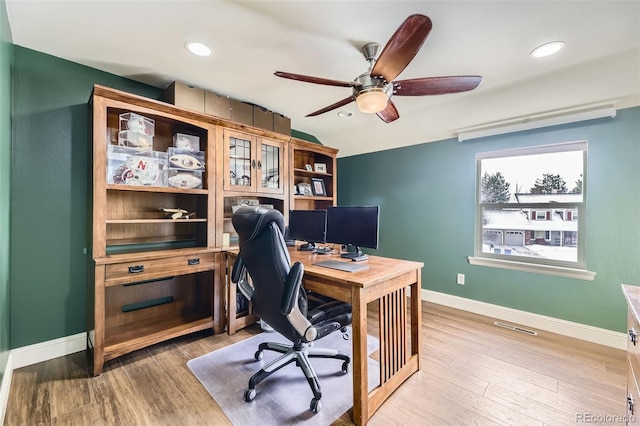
258 355
346 336
316 405
249 394
346 367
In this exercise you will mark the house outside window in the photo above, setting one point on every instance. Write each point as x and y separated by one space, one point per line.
530 207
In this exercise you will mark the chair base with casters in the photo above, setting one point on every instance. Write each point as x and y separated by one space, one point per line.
300 353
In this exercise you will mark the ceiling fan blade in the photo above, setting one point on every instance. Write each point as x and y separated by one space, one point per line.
338 104
316 80
390 113
436 85
401 48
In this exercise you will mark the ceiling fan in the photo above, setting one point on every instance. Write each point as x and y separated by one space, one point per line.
372 90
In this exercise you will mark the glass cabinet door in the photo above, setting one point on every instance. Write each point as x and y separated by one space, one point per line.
240 162
270 166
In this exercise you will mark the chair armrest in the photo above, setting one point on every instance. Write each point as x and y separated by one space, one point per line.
239 276
238 270
290 307
292 288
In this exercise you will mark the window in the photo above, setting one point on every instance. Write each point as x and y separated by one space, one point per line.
541 215
530 208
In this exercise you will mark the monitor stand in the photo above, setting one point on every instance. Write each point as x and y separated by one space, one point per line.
307 247
323 250
356 256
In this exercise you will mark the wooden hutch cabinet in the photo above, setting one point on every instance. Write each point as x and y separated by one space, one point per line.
304 156
154 277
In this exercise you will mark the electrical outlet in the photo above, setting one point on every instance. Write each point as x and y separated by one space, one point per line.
460 279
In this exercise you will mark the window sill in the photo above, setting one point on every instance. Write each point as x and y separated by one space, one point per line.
558 271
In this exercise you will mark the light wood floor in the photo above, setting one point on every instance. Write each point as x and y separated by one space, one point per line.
473 373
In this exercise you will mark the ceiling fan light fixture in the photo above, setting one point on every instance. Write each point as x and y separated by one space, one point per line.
373 100
547 49
197 48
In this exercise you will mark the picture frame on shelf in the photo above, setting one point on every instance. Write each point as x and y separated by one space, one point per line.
308 167
304 189
318 188
320 167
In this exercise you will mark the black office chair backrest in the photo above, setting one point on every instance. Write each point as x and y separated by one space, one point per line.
265 256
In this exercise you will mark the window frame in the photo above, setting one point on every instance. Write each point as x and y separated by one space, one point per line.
571 269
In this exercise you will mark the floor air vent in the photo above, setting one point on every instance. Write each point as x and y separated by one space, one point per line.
515 328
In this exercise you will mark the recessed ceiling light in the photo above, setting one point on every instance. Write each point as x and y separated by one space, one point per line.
345 114
547 49
197 48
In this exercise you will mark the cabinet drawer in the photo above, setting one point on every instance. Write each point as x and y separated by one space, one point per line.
128 272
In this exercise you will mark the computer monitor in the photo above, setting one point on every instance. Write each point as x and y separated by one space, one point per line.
309 226
356 226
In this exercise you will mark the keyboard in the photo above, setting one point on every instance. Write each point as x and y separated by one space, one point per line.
342 266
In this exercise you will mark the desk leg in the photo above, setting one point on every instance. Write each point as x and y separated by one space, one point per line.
360 366
416 317
231 305
219 293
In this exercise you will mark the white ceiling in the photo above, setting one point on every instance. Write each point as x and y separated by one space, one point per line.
144 41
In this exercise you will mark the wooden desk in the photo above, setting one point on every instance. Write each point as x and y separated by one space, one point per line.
385 283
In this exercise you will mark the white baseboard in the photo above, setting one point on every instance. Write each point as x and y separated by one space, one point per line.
44 351
566 328
5 386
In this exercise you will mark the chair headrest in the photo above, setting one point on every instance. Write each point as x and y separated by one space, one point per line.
249 221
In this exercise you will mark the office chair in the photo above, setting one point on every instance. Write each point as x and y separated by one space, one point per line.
280 301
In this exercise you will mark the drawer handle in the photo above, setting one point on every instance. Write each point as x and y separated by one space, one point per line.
630 403
194 261
633 337
136 269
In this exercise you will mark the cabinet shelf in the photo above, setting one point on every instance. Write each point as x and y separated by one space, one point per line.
171 240
312 197
311 173
168 190
149 221
127 338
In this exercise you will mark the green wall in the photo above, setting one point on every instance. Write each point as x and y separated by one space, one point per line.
49 181
5 183
427 198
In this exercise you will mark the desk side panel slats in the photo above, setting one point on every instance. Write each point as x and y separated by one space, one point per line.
393 339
